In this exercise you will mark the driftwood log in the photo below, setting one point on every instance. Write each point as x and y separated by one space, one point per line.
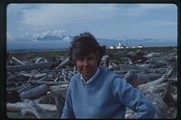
18 61
26 67
160 94
35 82
18 68
17 107
34 92
38 111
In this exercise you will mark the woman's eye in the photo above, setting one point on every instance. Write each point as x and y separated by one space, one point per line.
80 59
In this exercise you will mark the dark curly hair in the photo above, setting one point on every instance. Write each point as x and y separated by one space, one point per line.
84 45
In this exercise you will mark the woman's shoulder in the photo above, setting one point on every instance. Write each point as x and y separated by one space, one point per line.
75 77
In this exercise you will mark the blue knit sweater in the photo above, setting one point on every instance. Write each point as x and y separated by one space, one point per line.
106 96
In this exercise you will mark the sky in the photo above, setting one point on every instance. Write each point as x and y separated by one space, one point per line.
129 24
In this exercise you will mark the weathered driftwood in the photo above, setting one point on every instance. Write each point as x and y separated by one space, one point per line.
50 97
25 88
34 92
27 82
160 80
64 62
113 66
126 68
35 76
153 84
18 61
161 70
154 77
38 111
14 88
157 64
57 98
152 54
37 82
136 79
18 115
48 71
17 107
55 88
10 76
160 105
159 92
40 60
157 98
130 114
137 57
44 78
26 67
60 102
105 61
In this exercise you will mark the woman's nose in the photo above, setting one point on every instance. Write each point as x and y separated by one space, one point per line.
85 63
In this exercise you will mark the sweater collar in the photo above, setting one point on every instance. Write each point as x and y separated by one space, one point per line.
91 79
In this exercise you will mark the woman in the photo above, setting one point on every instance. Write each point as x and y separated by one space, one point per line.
97 93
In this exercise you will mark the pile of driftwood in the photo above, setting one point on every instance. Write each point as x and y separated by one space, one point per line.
36 87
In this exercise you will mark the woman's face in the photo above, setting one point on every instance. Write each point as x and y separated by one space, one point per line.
87 65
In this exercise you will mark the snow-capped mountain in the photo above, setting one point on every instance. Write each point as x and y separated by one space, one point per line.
54 38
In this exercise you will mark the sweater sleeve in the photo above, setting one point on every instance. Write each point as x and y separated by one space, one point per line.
133 98
68 110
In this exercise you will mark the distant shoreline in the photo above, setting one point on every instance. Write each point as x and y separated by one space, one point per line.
66 49
36 50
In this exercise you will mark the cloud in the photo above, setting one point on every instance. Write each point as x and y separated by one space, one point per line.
153 6
159 23
51 14
140 9
167 24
